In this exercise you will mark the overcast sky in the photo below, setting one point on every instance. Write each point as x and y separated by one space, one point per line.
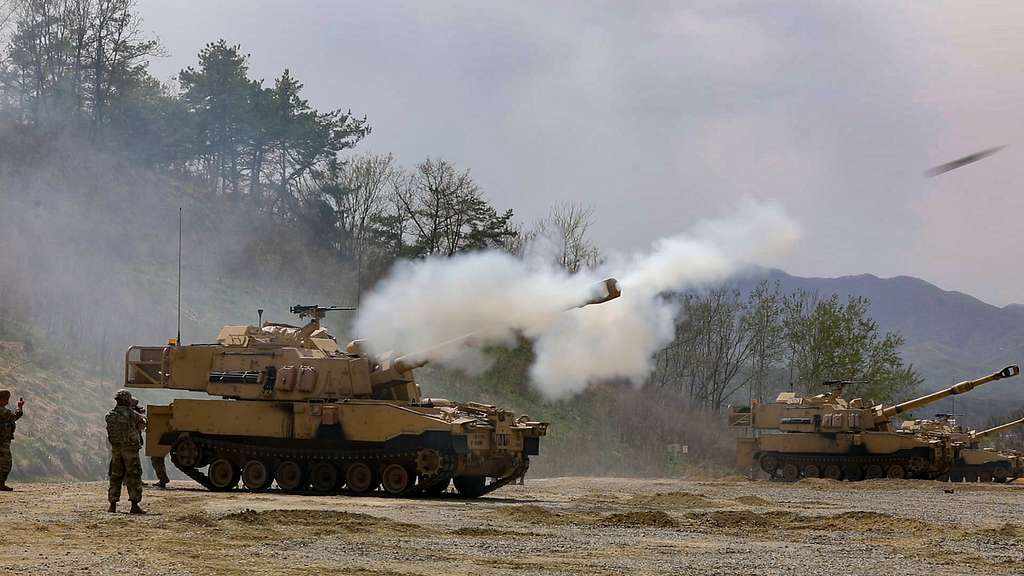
658 114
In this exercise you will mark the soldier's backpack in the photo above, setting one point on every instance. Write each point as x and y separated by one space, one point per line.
119 429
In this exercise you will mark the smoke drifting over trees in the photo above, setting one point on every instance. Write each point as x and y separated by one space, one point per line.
96 156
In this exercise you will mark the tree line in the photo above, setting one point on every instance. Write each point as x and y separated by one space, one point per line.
729 345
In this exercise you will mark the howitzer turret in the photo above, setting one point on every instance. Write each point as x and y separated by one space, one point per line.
828 435
298 410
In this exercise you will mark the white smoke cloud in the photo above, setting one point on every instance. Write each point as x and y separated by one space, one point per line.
422 304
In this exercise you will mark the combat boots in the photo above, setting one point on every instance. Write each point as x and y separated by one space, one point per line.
113 507
6 488
136 509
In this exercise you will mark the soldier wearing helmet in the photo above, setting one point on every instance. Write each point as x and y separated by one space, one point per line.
7 420
124 427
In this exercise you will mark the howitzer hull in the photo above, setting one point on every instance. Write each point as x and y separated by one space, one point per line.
857 456
352 446
980 465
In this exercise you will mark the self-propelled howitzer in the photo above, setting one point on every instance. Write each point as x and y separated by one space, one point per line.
297 409
828 435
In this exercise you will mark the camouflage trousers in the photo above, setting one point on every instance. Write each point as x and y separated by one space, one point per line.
159 468
5 461
125 468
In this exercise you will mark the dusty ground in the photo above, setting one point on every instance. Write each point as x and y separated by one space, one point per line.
552 526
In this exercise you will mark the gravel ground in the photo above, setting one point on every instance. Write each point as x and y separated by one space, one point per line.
549 526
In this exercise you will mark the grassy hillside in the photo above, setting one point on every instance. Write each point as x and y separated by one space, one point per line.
62 435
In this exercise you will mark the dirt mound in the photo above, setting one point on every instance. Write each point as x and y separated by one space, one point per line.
857 521
742 519
329 519
650 519
673 499
866 521
752 501
1004 531
534 514
474 531
201 519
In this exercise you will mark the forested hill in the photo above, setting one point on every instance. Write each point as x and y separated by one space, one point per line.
949 335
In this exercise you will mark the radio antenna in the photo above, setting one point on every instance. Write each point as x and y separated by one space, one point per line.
178 340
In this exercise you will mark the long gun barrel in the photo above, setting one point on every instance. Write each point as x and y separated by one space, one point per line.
599 293
884 413
999 428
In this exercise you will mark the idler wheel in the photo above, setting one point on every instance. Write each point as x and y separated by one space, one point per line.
873 471
769 464
470 486
186 453
325 477
896 472
790 472
811 471
289 476
832 472
396 479
853 472
222 474
359 478
256 476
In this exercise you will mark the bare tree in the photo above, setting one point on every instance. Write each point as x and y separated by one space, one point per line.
366 182
566 230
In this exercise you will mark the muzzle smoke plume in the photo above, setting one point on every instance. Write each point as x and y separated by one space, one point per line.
424 303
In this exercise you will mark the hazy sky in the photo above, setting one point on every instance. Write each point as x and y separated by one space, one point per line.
658 114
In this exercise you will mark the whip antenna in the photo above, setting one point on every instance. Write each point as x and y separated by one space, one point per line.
178 340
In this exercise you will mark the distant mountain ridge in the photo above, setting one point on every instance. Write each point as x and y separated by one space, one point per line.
950 336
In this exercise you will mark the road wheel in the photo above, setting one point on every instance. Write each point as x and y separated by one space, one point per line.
956 477
1000 472
873 471
470 486
811 471
790 472
437 488
832 472
970 476
186 453
289 476
359 478
896 472
985 476
853 472
222 474
396 479
325 477
769 464
256 476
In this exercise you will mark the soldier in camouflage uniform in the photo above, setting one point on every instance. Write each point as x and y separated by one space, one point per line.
7 420
123 433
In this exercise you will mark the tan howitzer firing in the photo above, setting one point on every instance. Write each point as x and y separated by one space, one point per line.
884 413
996 429
600 293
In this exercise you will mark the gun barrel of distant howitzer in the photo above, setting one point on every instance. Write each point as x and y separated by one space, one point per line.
1000 428
603 291
961 388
